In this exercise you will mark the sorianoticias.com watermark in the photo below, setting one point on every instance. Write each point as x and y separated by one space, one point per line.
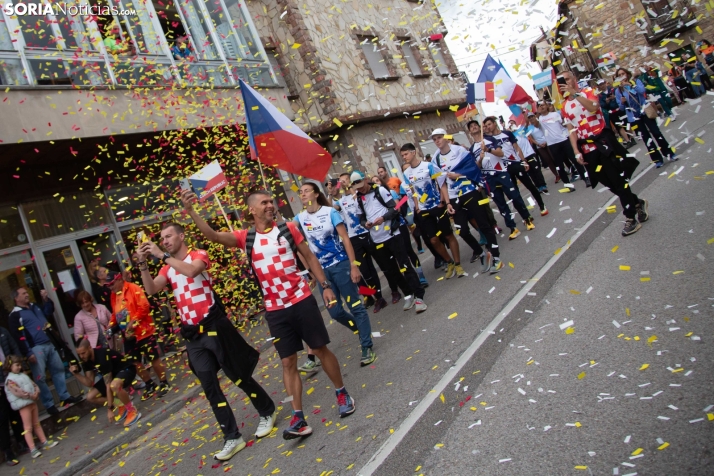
35 9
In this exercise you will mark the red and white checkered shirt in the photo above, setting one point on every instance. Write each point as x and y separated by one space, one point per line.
275 266
193 295
586 123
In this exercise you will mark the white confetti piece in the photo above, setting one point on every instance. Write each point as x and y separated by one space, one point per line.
565 325
552 232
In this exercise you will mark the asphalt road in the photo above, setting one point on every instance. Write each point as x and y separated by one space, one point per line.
539 394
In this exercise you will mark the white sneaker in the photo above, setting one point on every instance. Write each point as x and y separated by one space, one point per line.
420 306
230 449
266 425
408 302
569 186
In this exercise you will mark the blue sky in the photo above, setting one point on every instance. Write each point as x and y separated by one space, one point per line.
505 29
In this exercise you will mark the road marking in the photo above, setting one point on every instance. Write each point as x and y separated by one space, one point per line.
395 438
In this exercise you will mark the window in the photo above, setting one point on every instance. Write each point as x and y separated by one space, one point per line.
439 59
412 58
373 52
58 31
17 269
50 217
12 233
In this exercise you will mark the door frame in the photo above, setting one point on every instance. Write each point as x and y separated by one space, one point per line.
398 166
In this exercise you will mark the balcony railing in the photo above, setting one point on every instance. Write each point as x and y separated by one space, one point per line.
665 23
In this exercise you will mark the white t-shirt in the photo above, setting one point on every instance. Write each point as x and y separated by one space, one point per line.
448 161
538 135
349 210
523 142
373 209
321 233
552 125
424 188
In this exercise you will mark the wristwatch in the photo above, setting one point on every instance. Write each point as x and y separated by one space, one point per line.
166 256
326 285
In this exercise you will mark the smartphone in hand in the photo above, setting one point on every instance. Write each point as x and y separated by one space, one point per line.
185 184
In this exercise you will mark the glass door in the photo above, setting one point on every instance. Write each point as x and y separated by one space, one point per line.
392 164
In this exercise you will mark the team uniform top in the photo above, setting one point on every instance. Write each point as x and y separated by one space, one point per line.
448 161
320 231
552 125
504 141
349 210
523 142
373 210
193 295
275 266
424 186
586 123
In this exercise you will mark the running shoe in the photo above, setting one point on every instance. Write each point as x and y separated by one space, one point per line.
545 191
35 453
486 258
460 273
421 252
631 226
48 444
162 390
450 270
139 385
438 262
379 305
11 461
659 164
544 212
122 414
149 391
310 365
475 256
298 428
266 425
424 283
230 448
345 403
496 265
529 224
368 356
557 178
569 186
587 182
643 213
673 158
420 306
515 233
408 302
396 297
575 177
368 302
132 417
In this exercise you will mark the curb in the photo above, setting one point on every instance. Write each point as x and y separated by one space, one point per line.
154 418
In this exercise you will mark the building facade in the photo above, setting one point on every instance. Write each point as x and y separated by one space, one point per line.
590 38
103 112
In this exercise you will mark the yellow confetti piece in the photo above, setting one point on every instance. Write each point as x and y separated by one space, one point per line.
710 241
296 45
564 190
582 468
511 265
212 333
615 248
710 416
337 122
644 366
581 375
573 291
483 202
391 430
379 245
570 330
442 398
578 424
598 168
637 451
310 390
663 446
701 141
453 315
417 469
221 404
624 267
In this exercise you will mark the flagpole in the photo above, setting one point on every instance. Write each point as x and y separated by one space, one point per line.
218 202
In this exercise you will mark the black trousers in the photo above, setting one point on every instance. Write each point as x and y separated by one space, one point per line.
468 206
408 249
392 259
206 356
461 220
535 170
8 417
611 177
652 136
546 159
517 173
427 242
561 152
362 246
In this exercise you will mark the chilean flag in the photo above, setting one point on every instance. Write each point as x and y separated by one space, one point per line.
505 88
276 141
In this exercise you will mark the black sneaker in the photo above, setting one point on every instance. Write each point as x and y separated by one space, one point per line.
438 262
643 213
53 410
587 182
298 428
631 226
369 302
148 392
72 400
379 305
396 297
162 390
475 256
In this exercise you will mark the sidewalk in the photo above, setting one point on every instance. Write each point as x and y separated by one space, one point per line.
85 436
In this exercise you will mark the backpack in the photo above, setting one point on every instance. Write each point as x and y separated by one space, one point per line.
396 221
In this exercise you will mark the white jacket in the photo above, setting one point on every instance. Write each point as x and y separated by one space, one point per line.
25 384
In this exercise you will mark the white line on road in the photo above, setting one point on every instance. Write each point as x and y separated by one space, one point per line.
395 438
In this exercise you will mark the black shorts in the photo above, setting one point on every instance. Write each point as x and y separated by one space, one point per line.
434 221
145 348
127 375
295 324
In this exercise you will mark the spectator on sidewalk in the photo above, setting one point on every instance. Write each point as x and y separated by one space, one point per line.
655 86
106 373
29 326
132 317
213 342
8 416
598 150
92 322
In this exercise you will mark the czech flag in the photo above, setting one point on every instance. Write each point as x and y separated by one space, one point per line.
276 141
505 87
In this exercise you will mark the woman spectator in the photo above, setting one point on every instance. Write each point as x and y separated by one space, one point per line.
92 322
611 111
706 49
655 86
704 74
693 76
681 84
631 95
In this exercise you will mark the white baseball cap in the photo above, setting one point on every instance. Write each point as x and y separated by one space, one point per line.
438 131
356 178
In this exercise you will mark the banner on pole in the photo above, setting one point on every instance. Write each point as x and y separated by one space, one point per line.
208 180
